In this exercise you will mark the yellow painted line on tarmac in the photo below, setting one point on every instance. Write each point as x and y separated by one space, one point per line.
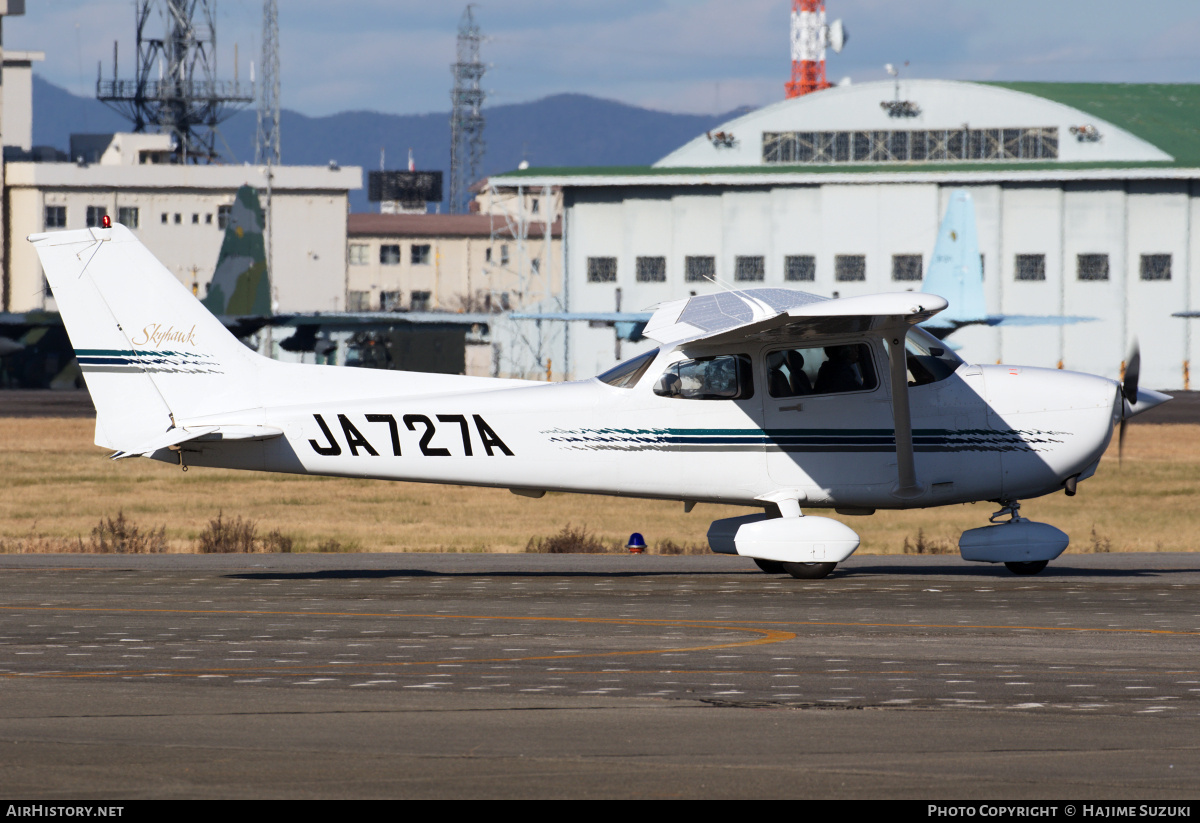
691 622
764 636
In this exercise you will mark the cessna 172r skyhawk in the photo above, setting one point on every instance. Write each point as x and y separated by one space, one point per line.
767 398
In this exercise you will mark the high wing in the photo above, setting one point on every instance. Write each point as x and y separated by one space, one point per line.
783 315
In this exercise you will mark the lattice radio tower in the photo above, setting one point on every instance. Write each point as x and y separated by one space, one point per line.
810 37
266 142
187 100
467 146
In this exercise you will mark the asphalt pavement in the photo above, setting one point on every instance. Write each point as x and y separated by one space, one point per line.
519 676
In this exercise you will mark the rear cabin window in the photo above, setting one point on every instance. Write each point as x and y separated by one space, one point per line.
626 375
822 370
726 377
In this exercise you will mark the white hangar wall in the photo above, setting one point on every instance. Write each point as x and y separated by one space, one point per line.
1092 183
1122 220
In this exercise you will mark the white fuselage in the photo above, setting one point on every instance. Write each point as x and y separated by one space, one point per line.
983 433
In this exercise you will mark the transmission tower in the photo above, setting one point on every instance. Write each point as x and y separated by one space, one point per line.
810 37
186 101
467 147
266 143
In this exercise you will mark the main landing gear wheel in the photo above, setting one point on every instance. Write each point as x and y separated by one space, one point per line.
809 571
770 566
1032 567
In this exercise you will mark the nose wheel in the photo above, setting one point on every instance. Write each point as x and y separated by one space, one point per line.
800 571
1032 567
809 571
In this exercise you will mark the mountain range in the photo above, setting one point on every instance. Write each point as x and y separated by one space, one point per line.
562 130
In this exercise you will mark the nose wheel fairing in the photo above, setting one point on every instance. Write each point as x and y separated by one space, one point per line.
1025 546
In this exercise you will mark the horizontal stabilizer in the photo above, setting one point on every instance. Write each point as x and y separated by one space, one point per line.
184 434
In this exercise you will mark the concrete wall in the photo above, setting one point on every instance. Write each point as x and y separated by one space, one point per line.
310 205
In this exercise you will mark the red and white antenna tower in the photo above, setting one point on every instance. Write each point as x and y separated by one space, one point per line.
810 36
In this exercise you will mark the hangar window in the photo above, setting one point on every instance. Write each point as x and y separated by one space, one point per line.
800 268
602 269
1156 267
359 254
422 254
727 377
910 145
1031 266
850 267
1091 266
699 269
96 215
750 269
906 267
389 254
223 214
652 269
56 217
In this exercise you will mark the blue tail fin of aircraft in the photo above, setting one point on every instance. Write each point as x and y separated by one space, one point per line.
956 270
956 273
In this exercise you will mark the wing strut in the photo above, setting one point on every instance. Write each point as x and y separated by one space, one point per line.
907 486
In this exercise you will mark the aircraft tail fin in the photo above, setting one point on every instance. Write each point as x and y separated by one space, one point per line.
150 352
241 284
956 271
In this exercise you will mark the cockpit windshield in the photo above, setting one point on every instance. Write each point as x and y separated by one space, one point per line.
626 375
929 359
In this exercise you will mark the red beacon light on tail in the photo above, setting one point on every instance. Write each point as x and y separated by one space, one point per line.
106 222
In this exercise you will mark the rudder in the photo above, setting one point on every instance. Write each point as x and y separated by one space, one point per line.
152 355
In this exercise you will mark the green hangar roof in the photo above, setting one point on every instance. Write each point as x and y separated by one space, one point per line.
935 129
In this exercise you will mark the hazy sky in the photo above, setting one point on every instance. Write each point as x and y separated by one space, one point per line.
676 55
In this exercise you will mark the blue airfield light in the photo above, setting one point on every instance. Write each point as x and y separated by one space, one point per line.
636 544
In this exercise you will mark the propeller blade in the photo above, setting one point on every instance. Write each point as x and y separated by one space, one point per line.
1121 442
1132 370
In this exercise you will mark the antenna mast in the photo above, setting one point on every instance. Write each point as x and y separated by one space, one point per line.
467 147
266 143
186 101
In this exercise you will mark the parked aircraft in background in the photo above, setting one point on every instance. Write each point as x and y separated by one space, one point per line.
773 399
956 273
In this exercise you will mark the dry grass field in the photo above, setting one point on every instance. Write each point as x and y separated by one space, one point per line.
57 486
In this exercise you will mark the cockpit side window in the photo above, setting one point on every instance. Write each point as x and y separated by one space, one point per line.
626 375
726 377
929 359
823 370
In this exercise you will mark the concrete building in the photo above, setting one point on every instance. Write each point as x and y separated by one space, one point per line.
1086 198
16 113
448 262
481 263
179 212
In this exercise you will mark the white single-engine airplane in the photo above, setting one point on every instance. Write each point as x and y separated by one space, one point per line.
767 398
